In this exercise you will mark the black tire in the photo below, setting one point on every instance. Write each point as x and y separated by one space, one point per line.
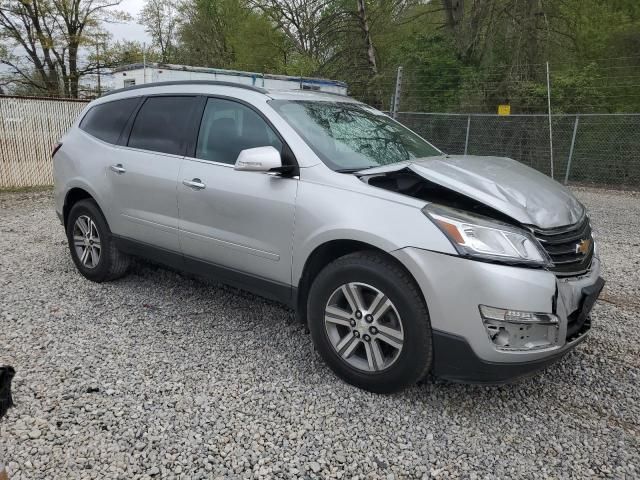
112 263
375 269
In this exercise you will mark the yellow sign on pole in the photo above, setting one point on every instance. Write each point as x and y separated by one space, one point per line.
504 109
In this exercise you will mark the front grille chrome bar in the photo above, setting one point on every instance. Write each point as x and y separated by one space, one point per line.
570 248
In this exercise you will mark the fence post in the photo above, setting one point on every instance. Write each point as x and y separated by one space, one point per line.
396 97
550 132
573 142
466 140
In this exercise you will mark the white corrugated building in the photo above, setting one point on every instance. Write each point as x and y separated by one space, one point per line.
138 74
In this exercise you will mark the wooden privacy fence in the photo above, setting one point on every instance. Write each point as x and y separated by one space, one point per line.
29 128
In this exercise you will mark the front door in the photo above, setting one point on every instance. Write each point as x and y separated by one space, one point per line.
240 221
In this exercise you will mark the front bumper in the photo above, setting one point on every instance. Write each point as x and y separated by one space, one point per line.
454 360
455 287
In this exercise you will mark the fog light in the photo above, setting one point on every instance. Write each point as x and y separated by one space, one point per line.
520 330
517 316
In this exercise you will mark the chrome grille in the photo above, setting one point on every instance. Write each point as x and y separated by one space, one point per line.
570 248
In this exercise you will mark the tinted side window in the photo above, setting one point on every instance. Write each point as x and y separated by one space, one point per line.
106 121
160 123
229 127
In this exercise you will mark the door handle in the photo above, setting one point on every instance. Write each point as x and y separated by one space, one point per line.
118 168
196 184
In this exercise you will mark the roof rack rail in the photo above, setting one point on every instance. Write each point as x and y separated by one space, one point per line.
187 82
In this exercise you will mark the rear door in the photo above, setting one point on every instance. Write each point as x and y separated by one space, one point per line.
144 175
241 221
90 155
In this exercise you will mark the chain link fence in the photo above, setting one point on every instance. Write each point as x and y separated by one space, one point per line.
598 149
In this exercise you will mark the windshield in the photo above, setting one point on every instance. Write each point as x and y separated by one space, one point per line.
352 136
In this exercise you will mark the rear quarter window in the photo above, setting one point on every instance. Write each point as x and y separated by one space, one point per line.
107 120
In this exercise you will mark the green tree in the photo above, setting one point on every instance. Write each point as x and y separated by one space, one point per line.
228 34
160 17
51 33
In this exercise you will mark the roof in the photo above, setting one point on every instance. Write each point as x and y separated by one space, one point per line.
236 73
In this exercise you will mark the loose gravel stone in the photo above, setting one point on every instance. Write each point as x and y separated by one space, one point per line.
159 375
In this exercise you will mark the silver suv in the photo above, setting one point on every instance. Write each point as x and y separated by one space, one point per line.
400 259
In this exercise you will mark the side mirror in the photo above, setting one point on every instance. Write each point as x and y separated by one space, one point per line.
259 159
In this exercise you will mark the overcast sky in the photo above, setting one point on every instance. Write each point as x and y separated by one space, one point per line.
132 30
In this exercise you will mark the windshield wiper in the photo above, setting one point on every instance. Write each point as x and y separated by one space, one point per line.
353 170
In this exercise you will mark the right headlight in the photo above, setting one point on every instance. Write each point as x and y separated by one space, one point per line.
487 239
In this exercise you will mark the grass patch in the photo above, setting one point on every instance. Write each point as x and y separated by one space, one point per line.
39 188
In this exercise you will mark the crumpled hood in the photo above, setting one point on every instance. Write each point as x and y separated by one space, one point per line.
506 185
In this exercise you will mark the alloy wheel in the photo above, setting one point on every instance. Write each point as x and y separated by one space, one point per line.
86 241
364 327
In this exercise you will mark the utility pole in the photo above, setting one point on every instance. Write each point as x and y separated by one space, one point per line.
100 39
144 62
98 67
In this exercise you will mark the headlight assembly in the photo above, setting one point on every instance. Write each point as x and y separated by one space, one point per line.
485 238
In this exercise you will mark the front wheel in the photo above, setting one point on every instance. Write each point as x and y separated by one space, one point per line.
369 322
91 244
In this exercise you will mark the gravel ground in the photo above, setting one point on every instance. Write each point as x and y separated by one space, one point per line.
159 375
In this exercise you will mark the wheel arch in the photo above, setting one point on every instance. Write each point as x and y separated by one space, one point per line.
73 196
322 256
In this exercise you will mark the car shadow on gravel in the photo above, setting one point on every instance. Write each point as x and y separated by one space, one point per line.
268 337
236 310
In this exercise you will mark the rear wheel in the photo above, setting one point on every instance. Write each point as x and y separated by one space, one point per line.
369 322
91 244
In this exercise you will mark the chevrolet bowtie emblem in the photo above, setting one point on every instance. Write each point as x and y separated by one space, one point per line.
583 247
